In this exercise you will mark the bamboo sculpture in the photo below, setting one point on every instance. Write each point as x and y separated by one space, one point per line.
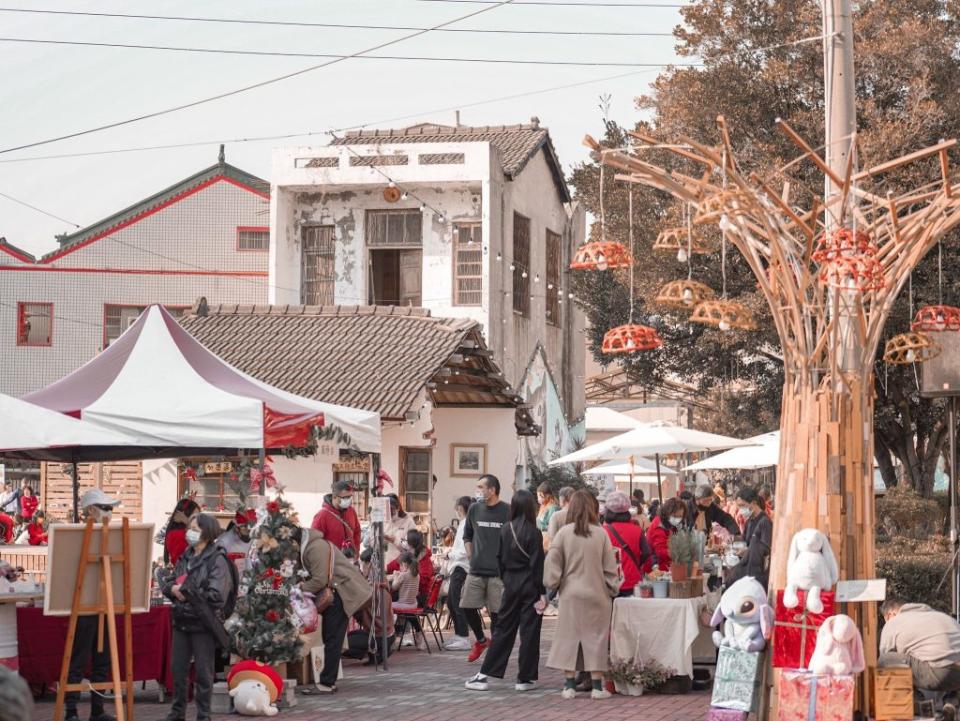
830 318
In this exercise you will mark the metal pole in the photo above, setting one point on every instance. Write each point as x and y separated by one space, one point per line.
656 459
76 493
261 463
952 429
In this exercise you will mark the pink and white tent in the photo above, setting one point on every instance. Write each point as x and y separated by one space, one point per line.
159 385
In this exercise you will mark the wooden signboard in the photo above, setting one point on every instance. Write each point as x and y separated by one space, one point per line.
354 464
63 560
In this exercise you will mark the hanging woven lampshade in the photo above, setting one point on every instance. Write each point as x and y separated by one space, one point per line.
860 273
712 208
842 242
630 338
907 348
684 294
936 318
600 255
673 240
724 314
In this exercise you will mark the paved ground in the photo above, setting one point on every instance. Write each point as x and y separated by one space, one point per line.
421 687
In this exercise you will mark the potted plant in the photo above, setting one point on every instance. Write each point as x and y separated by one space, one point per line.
654 675
660 581
681 554
627 676
644 589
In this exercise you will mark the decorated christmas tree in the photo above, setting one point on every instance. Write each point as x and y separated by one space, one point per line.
265 627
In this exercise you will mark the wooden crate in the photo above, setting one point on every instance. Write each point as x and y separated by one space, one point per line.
892 693
681 589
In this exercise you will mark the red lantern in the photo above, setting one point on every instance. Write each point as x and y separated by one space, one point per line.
600 256
936 318
859 273
630 338
842 242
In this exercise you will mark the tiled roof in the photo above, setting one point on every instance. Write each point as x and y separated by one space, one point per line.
127 215
18 253
516 144
372 357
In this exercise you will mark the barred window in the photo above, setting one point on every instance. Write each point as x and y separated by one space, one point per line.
253 238
554 256
317 276
394 227
467 264
35 324
521 262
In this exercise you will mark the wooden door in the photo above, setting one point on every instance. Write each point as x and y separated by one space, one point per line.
415 473
411 272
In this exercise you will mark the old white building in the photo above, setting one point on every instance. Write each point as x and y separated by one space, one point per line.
468 222
204 236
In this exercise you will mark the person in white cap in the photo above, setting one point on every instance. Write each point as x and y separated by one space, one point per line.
99 506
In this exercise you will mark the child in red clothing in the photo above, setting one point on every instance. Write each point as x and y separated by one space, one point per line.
37 529
424 559
28 503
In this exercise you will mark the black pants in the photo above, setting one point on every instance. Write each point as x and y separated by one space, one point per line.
457 578
335 624
201 648
85 647
516 615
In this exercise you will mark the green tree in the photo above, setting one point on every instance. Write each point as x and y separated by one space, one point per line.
758 64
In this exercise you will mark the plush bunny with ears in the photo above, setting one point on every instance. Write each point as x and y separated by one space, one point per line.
812 567
747 617
839 648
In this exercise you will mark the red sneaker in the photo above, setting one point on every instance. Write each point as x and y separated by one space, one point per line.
478 648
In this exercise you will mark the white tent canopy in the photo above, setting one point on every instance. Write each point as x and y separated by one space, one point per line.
640 467
603 419
651 439
27 427
765 453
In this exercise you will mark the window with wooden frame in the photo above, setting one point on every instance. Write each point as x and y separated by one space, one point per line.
415 473
35 324
521 263
317 263
467 264
117 318
213 484
554 257
253 238
394 227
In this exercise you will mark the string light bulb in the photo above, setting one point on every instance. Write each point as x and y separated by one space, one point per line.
404 195
601 261
391 184
687 296
523 274
499 256
723 325
910 356
682 255
513 267
549 286
536 278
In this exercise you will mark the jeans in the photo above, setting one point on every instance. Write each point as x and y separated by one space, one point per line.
201 648
85 646
457 578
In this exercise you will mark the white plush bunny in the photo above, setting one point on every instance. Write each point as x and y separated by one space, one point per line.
811 567
839 648
251 698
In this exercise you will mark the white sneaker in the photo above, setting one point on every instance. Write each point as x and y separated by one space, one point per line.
477 683
408 641
458 643
525 686
600 693
568 693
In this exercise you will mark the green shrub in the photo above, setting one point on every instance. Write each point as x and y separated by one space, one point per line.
914 570
901 512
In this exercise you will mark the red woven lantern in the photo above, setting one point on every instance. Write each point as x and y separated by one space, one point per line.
860 273
630 338
601 255
842 242
936 318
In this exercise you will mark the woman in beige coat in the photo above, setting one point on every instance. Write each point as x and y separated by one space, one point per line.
582 564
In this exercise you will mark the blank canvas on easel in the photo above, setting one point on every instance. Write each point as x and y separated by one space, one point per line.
63 560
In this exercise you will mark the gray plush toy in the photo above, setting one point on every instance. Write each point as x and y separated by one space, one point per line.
747 617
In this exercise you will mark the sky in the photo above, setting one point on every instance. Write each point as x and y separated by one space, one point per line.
52 90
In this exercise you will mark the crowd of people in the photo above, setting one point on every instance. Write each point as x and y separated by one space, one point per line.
22 521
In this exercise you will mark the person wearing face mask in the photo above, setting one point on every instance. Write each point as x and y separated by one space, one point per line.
670 518
235 541
337 520
203 589
99 506
458 564
758 534
395 529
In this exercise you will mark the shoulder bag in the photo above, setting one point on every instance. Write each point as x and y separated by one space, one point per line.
626 547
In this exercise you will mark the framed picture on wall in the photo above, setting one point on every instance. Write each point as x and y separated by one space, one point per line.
468 459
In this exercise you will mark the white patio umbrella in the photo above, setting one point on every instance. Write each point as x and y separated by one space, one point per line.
640 466
764 454
652 439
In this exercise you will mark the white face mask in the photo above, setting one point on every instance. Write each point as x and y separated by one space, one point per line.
345 502
675 522
193 536
479 497
99 515
746 512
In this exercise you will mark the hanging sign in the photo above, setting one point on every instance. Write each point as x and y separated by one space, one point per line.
353 464
328 450
221 467
378 509
871 589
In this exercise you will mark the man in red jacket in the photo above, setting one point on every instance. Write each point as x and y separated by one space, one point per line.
338 521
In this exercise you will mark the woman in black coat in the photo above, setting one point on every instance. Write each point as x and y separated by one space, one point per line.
524 598
202 584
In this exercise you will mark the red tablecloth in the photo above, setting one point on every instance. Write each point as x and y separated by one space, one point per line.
40 642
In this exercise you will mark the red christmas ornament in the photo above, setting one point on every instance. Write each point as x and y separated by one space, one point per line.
936 318
842 242
601 255
273 507
272 616
190 473
629 338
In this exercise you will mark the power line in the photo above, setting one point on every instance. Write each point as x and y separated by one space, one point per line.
286 136
39 210
246 88
340 26
417 58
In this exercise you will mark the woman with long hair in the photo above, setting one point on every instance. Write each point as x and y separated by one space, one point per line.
524 598
175 537
582 564
548 506
395 528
